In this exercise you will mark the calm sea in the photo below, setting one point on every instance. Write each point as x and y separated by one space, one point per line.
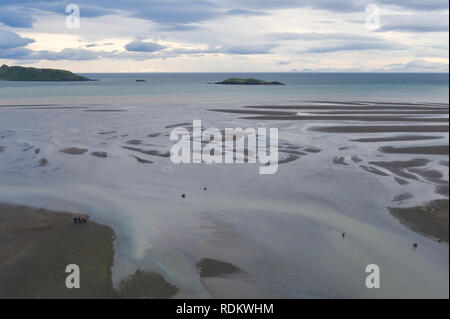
192 87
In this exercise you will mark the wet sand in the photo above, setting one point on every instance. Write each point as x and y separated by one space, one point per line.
380 178
100 154
382 129
379 112
145 285
430 220
141 160
399 168
427 150
36 245
147 152
26 105
373 170
214 268
396 139
337 111
289 158
51 108
392 118
347 118
178 125
74 151
402 197
348 107
253 112
43 162
402 104
442 190
134 142
105 111
339 160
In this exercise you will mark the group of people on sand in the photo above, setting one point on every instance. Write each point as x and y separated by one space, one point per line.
80 220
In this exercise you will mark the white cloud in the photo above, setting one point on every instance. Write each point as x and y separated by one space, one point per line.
419 66
237 35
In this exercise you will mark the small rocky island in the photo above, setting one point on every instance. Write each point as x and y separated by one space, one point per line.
18 73
239 81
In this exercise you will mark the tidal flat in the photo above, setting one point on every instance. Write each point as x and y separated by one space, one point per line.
374 176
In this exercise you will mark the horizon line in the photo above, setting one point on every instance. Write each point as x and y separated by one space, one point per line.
272 72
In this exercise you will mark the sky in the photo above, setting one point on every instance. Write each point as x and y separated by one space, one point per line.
226 36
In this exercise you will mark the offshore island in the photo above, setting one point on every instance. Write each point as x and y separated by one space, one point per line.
18 73
239 81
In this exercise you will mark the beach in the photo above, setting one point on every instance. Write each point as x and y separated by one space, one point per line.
360 180
37 246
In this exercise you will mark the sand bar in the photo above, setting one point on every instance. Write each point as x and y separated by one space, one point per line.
36 245
382 129
430 220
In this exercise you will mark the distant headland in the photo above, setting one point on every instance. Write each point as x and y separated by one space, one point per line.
239 81
18 73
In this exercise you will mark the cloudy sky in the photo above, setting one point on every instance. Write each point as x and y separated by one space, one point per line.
227 35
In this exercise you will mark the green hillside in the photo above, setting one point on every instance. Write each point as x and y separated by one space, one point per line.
18 73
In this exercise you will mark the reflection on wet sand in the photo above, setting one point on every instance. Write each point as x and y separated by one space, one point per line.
348 145
390 119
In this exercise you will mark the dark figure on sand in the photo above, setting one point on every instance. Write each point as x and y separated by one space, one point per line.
79 220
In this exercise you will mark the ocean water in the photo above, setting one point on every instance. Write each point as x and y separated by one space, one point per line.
283 230
194 87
